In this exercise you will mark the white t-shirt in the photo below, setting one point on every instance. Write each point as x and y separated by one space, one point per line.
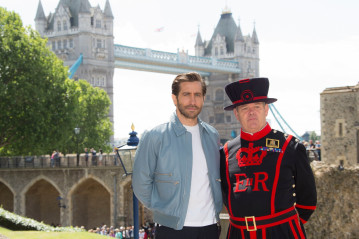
200 210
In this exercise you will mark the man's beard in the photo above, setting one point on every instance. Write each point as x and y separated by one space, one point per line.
187 114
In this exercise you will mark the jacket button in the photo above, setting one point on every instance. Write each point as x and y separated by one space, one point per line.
294 194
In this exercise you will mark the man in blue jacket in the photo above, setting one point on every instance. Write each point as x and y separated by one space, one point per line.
176 169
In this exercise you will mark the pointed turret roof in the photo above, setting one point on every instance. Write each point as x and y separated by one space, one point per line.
85 7
254 36
108 11
226 27
40 15
239 35
199 41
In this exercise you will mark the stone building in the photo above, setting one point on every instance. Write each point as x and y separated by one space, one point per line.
339 113
227 43
77 28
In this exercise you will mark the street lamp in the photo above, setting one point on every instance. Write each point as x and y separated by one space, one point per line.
77 132
128 152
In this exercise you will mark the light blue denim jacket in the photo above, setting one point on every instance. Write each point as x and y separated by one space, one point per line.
162 170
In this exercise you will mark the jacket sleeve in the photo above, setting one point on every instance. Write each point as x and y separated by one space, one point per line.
305 185
144 167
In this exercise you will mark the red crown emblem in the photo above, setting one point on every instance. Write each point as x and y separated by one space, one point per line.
254 156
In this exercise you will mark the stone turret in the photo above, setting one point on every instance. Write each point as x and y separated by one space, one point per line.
227 42
77 28
40 19
238 41
199 46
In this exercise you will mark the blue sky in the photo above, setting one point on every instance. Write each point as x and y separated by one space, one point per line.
305 47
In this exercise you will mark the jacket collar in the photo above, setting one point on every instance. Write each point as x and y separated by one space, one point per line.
180 129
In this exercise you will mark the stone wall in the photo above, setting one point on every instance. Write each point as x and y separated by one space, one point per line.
339 114
337 213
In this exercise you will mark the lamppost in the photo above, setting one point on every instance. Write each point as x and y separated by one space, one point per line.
77 132
128 152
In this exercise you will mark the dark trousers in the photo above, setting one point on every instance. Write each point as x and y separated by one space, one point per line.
206 232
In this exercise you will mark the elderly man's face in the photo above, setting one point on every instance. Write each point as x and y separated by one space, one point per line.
252 116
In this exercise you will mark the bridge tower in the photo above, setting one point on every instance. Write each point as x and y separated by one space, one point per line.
228 43
74 28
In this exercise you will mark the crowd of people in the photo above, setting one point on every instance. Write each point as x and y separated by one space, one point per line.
96 158
313 149
145 232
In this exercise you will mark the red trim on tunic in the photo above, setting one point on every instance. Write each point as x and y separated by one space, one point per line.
242 232
225 149
303 221
299 229
293 230
256 136
264 236
277 172
306 207
265 217
267 225
229 231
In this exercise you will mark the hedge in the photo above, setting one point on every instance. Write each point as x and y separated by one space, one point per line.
15 222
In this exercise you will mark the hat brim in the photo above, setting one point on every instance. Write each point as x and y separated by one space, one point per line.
267 101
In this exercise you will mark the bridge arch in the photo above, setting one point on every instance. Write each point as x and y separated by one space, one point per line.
90 203
41 200
7 195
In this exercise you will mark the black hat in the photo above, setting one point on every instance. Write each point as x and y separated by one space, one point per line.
248 91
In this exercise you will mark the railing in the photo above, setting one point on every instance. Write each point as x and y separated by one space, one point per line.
179 57
67 161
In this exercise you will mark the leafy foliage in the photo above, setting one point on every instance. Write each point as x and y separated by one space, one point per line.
18 223
39 105
91 116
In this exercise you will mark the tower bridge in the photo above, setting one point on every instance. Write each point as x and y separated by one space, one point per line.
91 196
142 59
77 29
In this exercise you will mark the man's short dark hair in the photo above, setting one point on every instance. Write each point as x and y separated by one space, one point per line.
187 77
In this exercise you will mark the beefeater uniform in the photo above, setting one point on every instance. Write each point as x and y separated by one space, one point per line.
267 183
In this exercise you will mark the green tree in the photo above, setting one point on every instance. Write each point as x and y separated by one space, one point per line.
33 99
39 105
91 116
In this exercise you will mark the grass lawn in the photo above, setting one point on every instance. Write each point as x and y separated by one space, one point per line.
47 235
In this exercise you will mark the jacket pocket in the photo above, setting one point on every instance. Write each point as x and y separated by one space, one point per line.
166 186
